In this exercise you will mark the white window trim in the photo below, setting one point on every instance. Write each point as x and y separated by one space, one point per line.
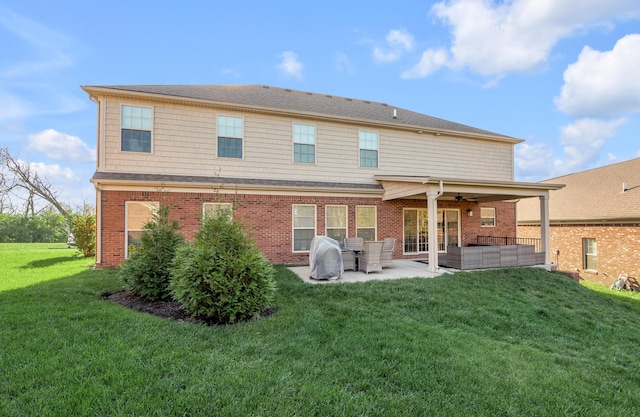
293 228
375 210
488 217
368 149
218 135
440 210
153 115
315 143
346 214
220 206
126 222
584 254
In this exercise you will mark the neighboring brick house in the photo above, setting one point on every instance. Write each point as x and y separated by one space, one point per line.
298 164
595 222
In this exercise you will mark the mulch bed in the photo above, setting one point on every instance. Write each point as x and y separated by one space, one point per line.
168 309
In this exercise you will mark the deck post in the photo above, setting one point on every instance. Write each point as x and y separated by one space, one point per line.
432 210
544 228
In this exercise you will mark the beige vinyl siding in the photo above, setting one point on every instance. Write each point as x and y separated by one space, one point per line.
184 143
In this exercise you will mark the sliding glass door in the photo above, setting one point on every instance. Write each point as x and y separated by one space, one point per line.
416 230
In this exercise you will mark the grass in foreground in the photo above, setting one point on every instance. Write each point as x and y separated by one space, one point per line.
509 342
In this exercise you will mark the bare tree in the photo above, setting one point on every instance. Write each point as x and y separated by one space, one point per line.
19 178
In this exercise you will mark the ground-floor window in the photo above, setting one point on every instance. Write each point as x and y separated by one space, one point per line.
213 209
487 217
366 222
416 230
304 226
336 222
138 213
590 254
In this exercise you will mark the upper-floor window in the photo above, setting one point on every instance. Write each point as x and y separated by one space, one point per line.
487 217
136 128
336 222
304 143
368 149
366 222
229 137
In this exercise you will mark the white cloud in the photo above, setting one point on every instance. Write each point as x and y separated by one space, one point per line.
603 84
495 38
398 42
53 172
583 141
290 66
430 62
61 146
533 162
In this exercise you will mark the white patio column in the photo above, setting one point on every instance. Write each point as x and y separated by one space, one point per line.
544 228
432 210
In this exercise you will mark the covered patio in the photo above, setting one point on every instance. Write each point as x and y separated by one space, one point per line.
434 190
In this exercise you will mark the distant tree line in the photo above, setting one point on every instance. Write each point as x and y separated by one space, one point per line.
46 226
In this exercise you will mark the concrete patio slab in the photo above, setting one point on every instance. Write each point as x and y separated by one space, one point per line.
404 268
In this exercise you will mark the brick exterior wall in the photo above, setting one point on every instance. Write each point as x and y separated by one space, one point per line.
269 219
618 248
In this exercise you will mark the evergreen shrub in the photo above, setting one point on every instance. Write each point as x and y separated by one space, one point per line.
147 272
222 277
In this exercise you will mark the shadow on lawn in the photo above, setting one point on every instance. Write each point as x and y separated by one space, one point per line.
44 263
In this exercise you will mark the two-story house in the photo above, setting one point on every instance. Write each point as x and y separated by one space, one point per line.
298 164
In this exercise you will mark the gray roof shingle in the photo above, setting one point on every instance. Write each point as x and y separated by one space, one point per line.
300 101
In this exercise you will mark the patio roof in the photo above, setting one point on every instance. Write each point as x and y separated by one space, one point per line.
480 191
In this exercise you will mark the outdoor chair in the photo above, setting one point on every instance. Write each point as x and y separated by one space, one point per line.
353 243
369 258
387 252
348 260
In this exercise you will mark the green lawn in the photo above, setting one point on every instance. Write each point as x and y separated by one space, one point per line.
497 343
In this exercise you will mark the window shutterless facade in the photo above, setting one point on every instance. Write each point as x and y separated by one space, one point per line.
336 223
136 125
137 214
590 254
368 149
304 143
366 222
230 130
487 217
304 226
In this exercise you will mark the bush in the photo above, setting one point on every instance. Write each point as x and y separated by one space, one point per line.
222 277
84 232
148 271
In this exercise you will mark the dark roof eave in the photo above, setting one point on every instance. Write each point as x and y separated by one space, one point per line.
162 180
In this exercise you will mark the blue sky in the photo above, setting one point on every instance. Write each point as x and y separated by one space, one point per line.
561 74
